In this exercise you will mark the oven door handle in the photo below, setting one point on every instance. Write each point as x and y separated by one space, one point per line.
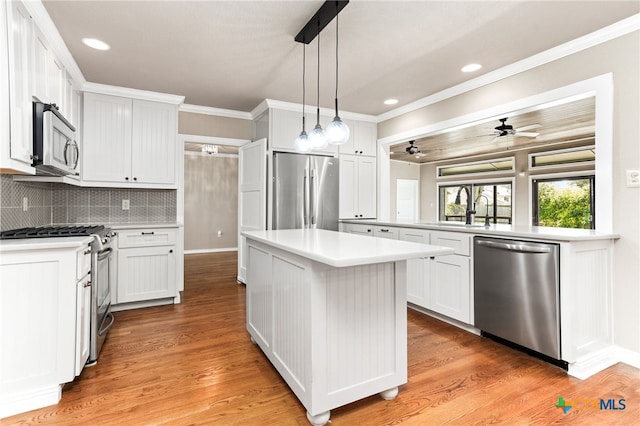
104 329
104 254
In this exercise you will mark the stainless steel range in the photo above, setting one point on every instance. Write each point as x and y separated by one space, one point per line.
103 272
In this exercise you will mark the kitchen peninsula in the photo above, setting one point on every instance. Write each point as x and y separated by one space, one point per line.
328 309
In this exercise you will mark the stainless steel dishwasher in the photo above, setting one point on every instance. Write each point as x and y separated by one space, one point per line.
517 292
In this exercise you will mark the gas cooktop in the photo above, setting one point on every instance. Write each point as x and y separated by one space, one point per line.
53 231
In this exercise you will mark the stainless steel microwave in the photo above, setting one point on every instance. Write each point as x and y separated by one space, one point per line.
55 149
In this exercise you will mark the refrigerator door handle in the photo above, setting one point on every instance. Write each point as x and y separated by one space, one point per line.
312 204
305 199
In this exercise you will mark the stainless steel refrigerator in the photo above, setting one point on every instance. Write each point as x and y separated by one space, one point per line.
305 191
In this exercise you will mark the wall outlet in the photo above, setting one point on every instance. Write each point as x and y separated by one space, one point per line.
633 178
219 234
125 204
25 204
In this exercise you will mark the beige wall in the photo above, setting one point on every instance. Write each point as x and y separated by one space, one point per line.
210 202
209 125
621 57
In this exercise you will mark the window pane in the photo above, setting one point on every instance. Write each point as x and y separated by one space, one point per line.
564 203
498 165
492 199
567 157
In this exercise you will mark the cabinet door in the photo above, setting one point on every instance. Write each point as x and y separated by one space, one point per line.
418 270
350 146
83 323
20 76
366 138
106 145
450 287
385 232
285 128
57 83
366 191
146 273
348 182
360 229
41 75
154 140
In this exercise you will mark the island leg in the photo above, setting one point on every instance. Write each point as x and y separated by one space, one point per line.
319 419
389 394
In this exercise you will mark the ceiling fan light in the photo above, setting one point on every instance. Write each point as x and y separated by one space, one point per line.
337 132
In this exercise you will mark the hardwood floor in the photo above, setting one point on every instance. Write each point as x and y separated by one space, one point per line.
193 363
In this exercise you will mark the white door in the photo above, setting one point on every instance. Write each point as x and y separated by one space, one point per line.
252 196
407 199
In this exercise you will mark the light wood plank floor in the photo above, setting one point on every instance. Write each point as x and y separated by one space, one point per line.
193 363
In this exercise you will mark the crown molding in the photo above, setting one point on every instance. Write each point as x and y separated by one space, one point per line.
214 140
595 38
106 89
309 109
219 112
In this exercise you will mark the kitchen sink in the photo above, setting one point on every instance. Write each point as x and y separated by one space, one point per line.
453 224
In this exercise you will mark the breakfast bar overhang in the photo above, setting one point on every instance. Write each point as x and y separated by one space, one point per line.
329 310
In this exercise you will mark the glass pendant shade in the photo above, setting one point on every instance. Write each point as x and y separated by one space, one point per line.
317 138
302 143
337 132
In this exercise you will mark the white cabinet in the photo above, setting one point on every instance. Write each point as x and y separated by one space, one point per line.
38 322
418 270
385 232
285 126
357 187
129 141
50 76
359 229
146 265
21 69
450 277
83 308
363 140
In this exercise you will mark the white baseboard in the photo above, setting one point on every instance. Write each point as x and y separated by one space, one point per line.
199 251
16 403
629 357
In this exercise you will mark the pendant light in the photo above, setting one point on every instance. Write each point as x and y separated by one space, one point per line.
337 131
302 144
317 137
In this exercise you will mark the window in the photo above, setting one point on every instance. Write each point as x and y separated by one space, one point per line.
564 202
487 166
564 157
492 199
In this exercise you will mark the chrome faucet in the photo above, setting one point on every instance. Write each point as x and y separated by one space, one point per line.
486 213
470 211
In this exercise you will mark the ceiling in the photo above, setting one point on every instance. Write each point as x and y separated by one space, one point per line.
234 54
570 123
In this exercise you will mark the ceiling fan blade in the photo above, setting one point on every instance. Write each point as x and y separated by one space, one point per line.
528 134
529 127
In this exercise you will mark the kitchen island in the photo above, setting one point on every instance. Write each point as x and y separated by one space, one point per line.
328 309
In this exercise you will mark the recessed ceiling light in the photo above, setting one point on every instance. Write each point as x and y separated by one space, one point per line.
471 68
96 44
391 102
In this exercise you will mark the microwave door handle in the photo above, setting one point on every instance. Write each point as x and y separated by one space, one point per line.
66 148
75 145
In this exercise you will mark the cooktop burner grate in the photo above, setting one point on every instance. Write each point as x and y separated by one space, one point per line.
52 231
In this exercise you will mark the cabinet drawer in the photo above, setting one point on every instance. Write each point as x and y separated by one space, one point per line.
385 232
456 240
146 237
83 262
415 235
359 229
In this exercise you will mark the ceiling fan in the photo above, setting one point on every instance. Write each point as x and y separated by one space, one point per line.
412 149
505 129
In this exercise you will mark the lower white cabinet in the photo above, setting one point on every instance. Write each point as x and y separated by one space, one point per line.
83 322
418 270
450 287
39 317
146 265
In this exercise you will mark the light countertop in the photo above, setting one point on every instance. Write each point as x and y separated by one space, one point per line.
499 230
340 249
147 225
7 246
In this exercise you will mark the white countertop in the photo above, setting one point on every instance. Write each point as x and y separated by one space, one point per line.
7 246
341 249
146 225
511 231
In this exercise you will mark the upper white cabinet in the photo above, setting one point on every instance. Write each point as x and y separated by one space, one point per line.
363 138
18 153
128 142
357 187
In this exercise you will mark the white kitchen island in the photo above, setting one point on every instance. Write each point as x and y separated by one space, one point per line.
329 310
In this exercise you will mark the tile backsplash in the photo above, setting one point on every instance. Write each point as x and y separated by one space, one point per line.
53 203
